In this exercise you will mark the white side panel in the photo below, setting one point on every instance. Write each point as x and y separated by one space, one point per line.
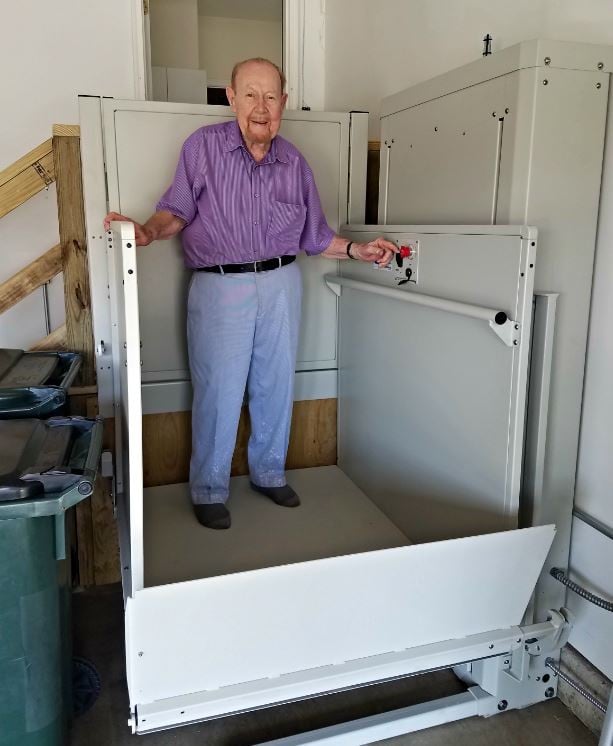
95 204
271 622
431 400
127 371
591 556
444 158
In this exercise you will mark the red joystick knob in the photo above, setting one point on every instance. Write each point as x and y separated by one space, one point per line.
405 252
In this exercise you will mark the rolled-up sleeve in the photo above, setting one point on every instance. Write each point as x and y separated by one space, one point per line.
316 234
181 196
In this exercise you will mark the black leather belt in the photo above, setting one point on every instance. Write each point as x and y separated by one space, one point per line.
262 266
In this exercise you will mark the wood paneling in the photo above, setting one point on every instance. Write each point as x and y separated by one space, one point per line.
97 545
85 543
26 177
167 442
105 539
37 273
71 218
313 436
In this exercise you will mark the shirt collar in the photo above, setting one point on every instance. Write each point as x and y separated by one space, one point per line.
234 140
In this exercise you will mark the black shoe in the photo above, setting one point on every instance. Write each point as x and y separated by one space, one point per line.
213 515
284 496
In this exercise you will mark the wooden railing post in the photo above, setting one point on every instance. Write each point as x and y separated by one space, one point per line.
71 218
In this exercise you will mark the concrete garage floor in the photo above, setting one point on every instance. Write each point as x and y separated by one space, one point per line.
98 622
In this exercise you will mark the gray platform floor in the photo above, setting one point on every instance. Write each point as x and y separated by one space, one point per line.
98 622
335 518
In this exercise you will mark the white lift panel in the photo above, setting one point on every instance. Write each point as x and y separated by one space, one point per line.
332 612
431 399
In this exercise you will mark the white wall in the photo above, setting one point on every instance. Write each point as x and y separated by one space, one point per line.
594 493
50 52
225 41
374 49
174 33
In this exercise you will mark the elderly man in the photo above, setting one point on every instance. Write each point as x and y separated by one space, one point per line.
246 203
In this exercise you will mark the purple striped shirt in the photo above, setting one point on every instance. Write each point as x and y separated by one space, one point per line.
239 210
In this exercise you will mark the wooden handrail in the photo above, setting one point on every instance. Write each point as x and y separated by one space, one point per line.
26 177
24 282
54 341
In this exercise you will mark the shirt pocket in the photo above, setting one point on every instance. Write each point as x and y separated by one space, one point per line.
285 227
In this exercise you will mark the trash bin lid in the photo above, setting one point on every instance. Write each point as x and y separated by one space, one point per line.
47 466
37 457
35 384
26 369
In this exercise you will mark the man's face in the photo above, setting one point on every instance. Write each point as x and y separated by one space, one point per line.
258 102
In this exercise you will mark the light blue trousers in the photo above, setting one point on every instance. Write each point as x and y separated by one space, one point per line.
242 333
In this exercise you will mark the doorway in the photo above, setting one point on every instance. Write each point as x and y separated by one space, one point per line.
195 43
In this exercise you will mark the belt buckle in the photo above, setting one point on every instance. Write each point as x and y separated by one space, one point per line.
255 267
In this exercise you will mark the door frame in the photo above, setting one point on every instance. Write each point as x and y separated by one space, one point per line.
304 53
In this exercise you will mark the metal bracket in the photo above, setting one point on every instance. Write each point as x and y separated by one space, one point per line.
334 287
43 173
560 623
509 332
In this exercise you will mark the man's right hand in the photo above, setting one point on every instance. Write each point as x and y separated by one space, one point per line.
143 237
161 225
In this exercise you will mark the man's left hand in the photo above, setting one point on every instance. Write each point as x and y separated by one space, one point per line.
380 251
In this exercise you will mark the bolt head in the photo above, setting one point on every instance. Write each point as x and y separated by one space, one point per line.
547 60
502 705
545 82
549 692
598 86
600 65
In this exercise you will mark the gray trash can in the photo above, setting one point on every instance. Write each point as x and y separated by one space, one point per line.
46 467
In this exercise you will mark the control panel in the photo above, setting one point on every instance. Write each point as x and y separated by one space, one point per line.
405 263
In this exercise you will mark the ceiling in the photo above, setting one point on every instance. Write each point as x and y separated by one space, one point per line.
254 10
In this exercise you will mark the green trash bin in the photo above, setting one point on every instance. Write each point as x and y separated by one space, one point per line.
46 467
35 384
